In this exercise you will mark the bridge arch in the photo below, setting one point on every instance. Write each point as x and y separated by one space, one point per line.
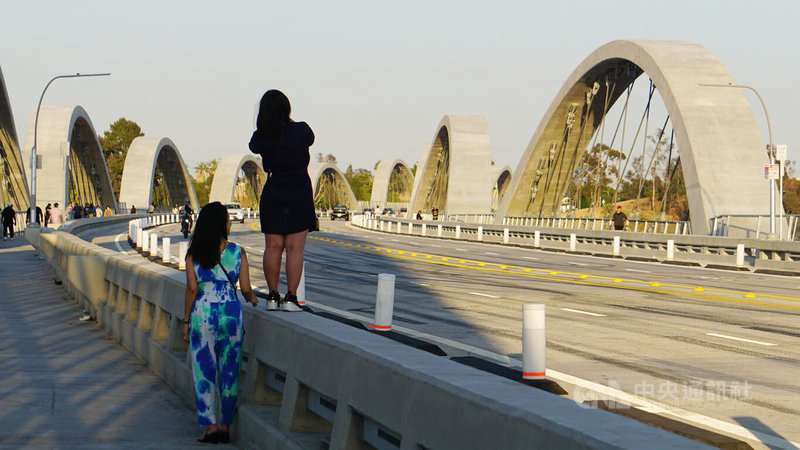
391 175
73 166
459 155
715 128
154 164
13 184
330 186
499 181
228 186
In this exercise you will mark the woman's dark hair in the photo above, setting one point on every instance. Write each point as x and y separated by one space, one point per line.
209 230
273 113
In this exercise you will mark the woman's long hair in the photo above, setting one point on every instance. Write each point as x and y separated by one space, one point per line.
209 230
273 113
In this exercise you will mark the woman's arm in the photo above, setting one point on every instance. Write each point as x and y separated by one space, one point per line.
244 280
191 294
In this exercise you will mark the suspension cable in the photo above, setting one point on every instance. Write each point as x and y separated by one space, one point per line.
646 113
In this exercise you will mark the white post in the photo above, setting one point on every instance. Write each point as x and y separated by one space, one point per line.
424 229
616 246
410 228
301 288
165 251
384 302
670 250
534 341
390 227
182 247
573 242
139 237
382 225
505 235
399 227
146 241
154 244
439 230
480 233
537 237
458 231
739 255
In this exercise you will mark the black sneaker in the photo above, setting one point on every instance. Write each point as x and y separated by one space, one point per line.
290 303
273 301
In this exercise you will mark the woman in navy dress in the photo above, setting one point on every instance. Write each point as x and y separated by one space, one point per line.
287 201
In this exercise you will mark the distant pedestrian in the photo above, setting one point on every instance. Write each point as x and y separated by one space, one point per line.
55 215
619 219
108 211
9 219
133 209
77 211
435 213
47 214
151 209
419 215
70 212
38 215
213 322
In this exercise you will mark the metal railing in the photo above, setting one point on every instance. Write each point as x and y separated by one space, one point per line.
749 225
578 223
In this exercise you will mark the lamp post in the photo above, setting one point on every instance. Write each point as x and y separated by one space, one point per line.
33 217
770 150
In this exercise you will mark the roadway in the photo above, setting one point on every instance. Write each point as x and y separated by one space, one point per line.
700 344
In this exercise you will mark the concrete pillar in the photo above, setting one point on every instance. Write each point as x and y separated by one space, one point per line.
480 233
146 241
182 247
534 342
505 235
573 242
439 230
165 253
424 229
154 244
458 231
739 255
384 302
615 247
670 250
537 237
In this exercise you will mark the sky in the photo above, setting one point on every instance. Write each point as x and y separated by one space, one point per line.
372 78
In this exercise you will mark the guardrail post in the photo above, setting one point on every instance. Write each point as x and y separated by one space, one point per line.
615 247
153 244
400 227
670 250
480 233
439 230
384 302
573 242
382 225
534 341
505 235
182 247
146 241
390 227
139 237
165 252
739 255
458 231
410 228
537 238
424 229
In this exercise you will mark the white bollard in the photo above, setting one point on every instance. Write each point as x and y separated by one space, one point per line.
739 255
505 235
615 248
384 302
301 288
424 229
534 341
139 237
439 230
153 244
399 227
573 242
382 225
165 251
537 239
182 247
410 228
480 233
390 227
146 241
458 231
670 250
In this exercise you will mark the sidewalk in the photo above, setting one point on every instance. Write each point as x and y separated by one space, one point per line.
68 384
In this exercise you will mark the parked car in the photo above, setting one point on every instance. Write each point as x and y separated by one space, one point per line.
340 212
235 212
388 211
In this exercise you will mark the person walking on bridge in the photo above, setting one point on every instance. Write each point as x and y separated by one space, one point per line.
9 219
619 219
213 318
287 201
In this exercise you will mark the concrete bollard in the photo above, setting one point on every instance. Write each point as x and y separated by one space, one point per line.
165 252
383 224
399 227
182 248
139 237
301 288
458 231
390 227
505 235
534 341
537 239
439 230
410 228
384 302
153 244
739 255
146 241
615 247
573 242
480 233
424 229
670 250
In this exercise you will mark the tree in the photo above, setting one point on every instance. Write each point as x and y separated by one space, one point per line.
329 158
360 182
115 143
204 176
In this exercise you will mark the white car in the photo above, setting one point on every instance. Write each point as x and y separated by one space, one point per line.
235 212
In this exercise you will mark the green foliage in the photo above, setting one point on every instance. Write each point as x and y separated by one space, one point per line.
360 181
202 179
115 143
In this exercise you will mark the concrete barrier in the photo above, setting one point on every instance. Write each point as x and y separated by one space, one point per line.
308 378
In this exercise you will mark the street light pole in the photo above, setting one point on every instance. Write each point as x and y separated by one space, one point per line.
33 216
771 150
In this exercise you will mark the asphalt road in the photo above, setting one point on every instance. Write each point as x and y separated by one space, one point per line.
703 345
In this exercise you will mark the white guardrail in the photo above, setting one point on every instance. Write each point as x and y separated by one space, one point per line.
308 379
711 251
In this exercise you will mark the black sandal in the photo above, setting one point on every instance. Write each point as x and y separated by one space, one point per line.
207 438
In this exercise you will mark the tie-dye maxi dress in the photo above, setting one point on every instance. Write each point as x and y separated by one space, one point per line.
215 335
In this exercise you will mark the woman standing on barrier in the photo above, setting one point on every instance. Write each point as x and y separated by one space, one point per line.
287 201
213 318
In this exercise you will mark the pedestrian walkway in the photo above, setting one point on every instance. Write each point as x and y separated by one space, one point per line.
67 383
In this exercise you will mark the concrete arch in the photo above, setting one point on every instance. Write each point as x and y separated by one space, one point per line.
387 168
499 181
73 165
459 155
226 186
328 181
715 129
146 157
13 184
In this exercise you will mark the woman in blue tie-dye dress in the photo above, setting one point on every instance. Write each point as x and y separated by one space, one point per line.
213 318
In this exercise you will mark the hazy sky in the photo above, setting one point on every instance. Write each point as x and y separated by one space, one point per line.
372 78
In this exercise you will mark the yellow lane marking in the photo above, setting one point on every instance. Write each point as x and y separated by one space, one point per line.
585 279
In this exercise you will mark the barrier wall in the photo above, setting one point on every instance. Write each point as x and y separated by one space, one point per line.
307 379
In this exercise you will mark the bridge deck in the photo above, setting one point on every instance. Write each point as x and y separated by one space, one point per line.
66 383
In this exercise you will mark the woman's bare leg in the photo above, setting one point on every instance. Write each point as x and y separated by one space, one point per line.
273 252
295 244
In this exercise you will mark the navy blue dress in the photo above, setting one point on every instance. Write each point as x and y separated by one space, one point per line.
287 201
